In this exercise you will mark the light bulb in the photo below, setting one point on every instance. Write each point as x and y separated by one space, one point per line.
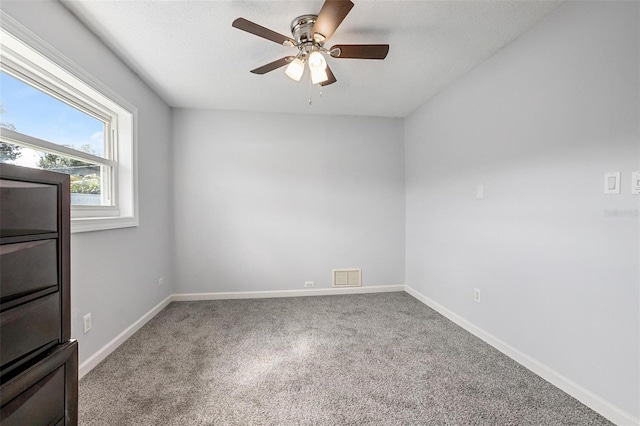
317 61
295 69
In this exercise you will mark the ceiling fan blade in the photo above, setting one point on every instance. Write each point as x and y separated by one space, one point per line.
360 51
332 78
331 16
273 65
260 31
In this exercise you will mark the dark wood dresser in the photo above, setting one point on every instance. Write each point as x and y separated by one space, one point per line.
38 359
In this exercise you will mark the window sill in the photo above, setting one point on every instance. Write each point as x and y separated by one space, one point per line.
89 224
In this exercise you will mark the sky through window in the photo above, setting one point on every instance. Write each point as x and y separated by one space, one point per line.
35 113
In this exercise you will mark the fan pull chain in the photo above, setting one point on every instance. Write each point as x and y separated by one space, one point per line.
310 88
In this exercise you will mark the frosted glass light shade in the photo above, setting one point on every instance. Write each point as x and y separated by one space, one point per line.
317 61
295 69
319 76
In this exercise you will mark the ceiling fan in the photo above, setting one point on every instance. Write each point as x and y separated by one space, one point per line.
310 32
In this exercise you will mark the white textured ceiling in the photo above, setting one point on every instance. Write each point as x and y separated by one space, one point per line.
189 53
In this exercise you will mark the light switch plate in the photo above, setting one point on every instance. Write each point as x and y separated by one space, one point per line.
480 192
612 183
635 183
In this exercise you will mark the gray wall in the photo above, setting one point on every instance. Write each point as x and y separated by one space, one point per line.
269 201
114 274
538 124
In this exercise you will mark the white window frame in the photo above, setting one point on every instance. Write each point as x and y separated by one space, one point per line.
27 57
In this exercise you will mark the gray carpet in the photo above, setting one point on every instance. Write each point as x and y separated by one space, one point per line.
381 359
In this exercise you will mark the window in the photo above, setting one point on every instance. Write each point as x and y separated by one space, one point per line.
43 120
55 116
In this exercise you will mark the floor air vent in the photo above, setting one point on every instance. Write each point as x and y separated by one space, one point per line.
347 277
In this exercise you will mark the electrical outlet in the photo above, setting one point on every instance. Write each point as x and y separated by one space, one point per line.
476 295
87 323
160 282
308 284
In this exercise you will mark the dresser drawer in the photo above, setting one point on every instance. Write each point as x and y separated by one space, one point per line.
34 395
41 404
29 327
27 208
27 267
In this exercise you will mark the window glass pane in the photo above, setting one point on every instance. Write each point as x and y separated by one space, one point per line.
30 111
87 179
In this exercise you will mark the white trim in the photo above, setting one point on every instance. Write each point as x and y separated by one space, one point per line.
74 80
107 349
87 224
285 293
52 148
583 395
39 45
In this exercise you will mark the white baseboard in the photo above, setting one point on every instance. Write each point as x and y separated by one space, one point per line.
285 293
583 395
103 352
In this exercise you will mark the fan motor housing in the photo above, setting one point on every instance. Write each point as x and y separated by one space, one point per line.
302 29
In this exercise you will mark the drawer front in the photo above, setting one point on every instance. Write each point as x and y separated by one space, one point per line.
27 327
27 208
41 404
27 267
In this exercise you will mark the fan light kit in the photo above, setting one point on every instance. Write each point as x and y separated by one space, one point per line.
310 32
